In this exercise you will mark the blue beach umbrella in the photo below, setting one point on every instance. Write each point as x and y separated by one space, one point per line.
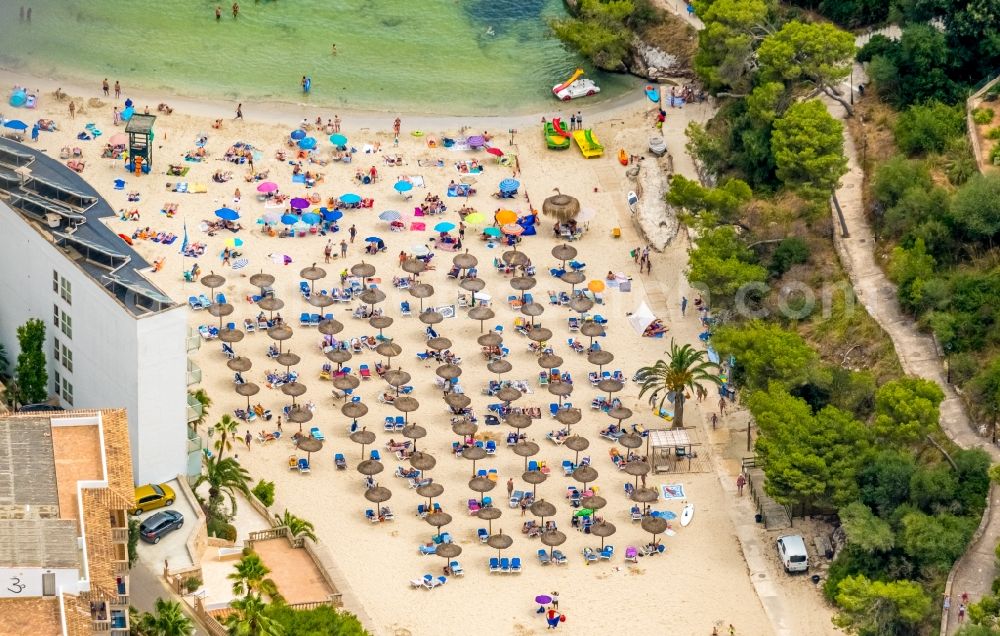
509 185
350 199
403 186
227 214
331 215
444 226
308 143
373 239
289 219
298 134
16 124
338 140
390 215
311 218
492 231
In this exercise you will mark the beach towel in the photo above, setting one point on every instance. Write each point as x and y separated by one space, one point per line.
416 180
672 491
198 188
240 263
119 184
298 178
417 226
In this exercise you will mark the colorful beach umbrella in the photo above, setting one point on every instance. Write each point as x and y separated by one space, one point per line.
338 140
504 217
271 217
311 218
496 152
476 141
299 203
512 229
331 215
15 124
298 134
390 215
476 218
596 286
308 143
227 214
240 263
403 186
509 185
267 186
492 231
373 239
289 219
444 226
350 198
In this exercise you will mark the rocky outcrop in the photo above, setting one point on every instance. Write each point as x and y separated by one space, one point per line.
653 63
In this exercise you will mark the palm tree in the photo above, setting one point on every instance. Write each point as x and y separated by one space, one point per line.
249 618
249 577
167 619
223 476
686 370
227 430
298 526
203 398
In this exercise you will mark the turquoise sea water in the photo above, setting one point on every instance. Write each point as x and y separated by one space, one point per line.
432 56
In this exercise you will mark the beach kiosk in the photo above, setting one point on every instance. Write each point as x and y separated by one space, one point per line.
140 143
670 450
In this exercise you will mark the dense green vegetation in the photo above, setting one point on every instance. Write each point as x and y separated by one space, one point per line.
32 383
603 30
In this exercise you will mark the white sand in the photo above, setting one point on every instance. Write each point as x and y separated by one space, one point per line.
701 581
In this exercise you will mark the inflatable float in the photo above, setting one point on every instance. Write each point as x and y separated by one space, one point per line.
653 93
623 157
554 137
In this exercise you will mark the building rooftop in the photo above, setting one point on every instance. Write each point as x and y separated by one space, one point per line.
294 572
27 469
35 616
68 212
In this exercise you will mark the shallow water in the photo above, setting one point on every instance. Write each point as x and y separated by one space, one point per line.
431 56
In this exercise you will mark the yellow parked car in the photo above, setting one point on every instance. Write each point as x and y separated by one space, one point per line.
151 497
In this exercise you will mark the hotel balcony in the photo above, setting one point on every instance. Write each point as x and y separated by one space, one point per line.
194 409
193 373
193 340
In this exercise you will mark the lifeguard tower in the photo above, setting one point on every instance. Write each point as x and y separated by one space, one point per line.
140 142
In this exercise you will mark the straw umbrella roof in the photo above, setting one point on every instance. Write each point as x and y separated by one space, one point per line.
518 420
637 468
288 359
549 361
610 386
240 364
280 332
261 280
338 355
388 349
370 467
380 322
371 296
654 525
594 502
300 415
499 366
474 453
230 335
600 357
508 394
448 371
312 272
213 280
561 389
438 519
500 541
620 413
592 329
465 260
585 474
220 310
330 327
363 269
422 461
293 389
320 300
482 484
247 389
406 404
457 400
525 448
270 303
447 550
534 477
603 529
363 437
542 508
354 410
439 343
581 304
414 431
573 278
464 428
630 440
563 252
523 283
553 538
488 514
430 317
413 266
472 284
430 490
309 445
644 495
532 309
346 382
481 312
515 258
576 443
397 378
561 206
378 494
540 334
421 290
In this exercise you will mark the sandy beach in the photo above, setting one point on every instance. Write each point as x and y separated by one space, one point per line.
702 579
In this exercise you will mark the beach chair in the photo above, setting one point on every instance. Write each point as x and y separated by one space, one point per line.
438 582
386 513
515 565
426 550
404 308
473 506
194 303
390 424
304 289
375 455
482 534
416 583
293 462
456 568
494 564
318 434
631 554
505 565
568 467
491 447
607 552
493 475
304 319
314 320
422 510
532 464
589 555
371 516
543 557
558 557
515 498
227 349
303 465
365 372
400 422
339 461
204 301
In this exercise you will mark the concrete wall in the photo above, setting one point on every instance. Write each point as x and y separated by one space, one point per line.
119 361
27 582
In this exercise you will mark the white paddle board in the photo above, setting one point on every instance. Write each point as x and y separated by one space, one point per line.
687 514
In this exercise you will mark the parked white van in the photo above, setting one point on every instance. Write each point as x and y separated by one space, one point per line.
792 550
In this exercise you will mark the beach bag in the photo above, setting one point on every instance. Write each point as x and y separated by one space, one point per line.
562 618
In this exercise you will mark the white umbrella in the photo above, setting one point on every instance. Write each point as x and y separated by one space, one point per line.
420 250
641 318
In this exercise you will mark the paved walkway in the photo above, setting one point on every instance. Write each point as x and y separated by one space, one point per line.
916 351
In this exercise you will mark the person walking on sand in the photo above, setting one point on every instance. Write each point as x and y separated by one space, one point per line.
239 111
510 487
279 422
218 12
684 305
722 406
715 421
555 600
396 126
248 438
118 90
579 120
328 251
72 109
343 248
732 630
961 613
740 482
353 232
106 87
336 123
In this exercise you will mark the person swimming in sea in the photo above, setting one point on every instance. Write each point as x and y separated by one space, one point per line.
490 31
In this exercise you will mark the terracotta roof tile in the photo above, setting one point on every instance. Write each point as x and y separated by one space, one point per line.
35 616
